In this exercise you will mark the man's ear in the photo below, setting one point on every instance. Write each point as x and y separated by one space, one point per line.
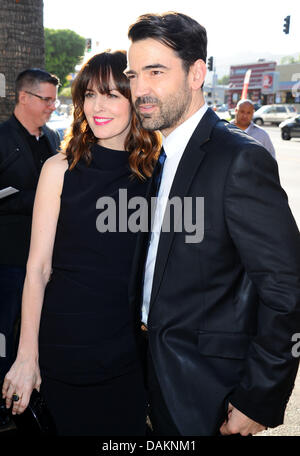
197 74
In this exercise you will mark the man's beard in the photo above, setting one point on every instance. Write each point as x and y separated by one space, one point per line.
170 112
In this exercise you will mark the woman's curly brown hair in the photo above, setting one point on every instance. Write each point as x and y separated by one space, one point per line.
143 146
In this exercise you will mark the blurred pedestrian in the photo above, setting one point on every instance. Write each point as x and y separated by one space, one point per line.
243 119
76 331
25 144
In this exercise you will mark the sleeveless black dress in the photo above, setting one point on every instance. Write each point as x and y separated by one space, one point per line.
91 377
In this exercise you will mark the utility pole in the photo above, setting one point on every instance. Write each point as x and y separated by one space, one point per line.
214 80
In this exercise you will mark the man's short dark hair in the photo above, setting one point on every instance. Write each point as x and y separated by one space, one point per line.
32 77
176 30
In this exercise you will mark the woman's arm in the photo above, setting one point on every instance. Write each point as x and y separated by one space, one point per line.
24 374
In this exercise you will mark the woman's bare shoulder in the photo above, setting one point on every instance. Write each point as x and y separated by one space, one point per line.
53 171
58 161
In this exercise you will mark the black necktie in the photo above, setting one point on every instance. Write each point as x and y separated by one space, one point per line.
156 181
157 174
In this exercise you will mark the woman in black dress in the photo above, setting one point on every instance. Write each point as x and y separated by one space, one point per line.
76 343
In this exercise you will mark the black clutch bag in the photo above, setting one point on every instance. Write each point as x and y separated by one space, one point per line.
36 419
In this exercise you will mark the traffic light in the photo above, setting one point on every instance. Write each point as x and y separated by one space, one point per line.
286 24
210 63
88 44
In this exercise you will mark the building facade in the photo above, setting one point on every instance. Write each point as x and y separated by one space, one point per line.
269 83
215 95
289 83
256 93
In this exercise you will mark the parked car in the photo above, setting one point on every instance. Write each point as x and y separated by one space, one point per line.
59 122
256 106
222 108
223 112
275 113
290 128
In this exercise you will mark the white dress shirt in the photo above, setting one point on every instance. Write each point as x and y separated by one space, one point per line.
174 146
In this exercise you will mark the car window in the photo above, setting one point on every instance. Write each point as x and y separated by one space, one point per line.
291 108
261 110
280 109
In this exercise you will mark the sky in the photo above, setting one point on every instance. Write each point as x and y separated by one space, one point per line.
239 31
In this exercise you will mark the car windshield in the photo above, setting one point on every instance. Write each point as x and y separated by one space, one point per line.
262 109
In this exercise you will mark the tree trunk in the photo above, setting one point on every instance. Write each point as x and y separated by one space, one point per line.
21 46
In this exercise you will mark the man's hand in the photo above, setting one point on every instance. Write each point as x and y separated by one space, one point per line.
238 423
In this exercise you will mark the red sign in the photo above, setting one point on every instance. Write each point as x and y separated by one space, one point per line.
267 81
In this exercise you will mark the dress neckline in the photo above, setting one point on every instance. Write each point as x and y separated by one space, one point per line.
105 158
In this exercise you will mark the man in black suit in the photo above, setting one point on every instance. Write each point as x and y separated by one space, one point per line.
25 143
218 314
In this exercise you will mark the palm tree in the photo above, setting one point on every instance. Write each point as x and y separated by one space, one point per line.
21 45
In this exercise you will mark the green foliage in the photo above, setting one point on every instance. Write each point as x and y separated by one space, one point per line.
65 92
64 50
224 80
289 59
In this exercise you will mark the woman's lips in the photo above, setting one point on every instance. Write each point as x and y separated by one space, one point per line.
102 120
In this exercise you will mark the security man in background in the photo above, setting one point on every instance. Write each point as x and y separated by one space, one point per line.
243 119
25 143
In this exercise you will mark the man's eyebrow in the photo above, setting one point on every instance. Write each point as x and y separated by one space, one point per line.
155 65
147 67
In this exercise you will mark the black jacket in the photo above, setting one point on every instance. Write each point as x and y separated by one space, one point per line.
223 311
17 169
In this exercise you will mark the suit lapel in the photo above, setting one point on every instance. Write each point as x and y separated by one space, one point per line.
24 149
186 171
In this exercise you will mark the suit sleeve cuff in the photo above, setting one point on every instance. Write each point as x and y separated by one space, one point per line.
262 412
